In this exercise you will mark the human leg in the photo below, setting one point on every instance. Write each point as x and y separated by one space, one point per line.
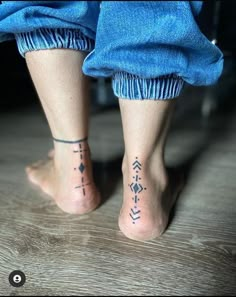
65 99
53 36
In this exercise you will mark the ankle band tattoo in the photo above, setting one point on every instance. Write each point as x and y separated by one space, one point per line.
68 141
136 187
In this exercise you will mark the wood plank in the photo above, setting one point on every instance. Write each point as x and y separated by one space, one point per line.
64 255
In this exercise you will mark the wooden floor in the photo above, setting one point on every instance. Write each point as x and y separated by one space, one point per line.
65 255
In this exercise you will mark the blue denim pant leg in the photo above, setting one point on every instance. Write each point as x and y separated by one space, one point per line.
40 25
150 48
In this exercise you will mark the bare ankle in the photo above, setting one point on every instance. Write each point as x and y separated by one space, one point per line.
71 152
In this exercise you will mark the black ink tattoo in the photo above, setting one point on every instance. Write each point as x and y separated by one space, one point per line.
136 188
83 185
69 141
136 165
135 214
81 168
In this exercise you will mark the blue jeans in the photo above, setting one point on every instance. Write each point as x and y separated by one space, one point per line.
149 48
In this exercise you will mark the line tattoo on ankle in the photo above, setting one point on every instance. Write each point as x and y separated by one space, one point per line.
70 141
81 167
136 187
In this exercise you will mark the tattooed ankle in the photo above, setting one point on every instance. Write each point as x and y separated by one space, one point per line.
81 150
136 188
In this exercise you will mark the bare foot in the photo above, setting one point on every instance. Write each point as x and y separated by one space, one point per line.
149 196
67 177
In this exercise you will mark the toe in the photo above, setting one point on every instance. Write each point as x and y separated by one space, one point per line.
37 164
51 154
27 169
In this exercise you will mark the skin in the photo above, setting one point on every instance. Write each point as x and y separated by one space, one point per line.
65 99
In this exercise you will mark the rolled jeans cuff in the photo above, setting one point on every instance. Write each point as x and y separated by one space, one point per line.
129 86
45 38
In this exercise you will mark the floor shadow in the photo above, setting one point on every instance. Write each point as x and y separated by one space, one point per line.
215 128
107 175
182 171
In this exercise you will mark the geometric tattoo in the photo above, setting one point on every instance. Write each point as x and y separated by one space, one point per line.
79 149
68 141
136 187
81 167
